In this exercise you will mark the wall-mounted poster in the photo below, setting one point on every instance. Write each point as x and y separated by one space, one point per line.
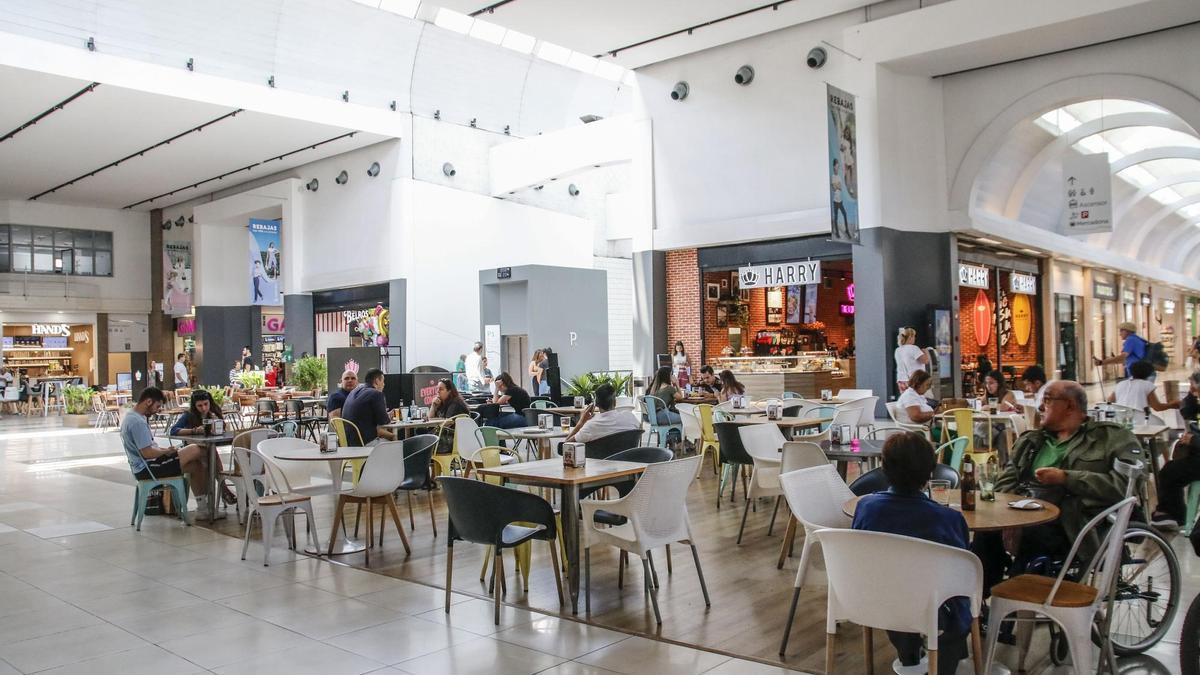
774 306
795 304
810 303
843 166
177 278
722 316
265 269
712 292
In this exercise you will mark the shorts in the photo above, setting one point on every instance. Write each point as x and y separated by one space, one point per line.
161 467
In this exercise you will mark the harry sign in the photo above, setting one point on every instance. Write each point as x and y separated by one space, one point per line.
780 274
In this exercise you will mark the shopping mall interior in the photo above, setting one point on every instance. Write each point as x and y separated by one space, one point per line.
624 288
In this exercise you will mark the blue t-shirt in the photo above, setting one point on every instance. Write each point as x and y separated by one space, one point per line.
135 435
915 515
337 400
1135 350
367 409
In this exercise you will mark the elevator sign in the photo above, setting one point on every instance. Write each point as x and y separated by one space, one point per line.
1087 194
781 274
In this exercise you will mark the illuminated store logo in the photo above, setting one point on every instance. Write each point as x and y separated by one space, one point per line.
1022 283
51 329
1169 306
973 276
783 274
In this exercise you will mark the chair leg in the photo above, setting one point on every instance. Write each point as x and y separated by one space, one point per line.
976 647
587 580
391 506
668 557
830 640
496 573
653 571
449 570
557 574
700 573
787 630
311 525
621 570
721 485
487 557
370 530
745 512
933 657
268 533
337 519
412 524
869 651
774 512
653 591
432 515
789 536
357 519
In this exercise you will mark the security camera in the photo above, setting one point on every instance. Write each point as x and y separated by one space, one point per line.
816 57
744 75
679 91
573 190
448 169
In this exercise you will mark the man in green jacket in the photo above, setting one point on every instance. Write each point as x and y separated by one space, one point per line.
1070 457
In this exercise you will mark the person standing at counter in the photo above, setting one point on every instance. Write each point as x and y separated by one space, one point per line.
662 389
909 357
729 386
679 359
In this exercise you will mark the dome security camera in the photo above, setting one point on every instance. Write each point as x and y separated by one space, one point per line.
679 91
744 75
816 57
573 190
448 169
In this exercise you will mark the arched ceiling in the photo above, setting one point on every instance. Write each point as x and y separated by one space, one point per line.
1154 156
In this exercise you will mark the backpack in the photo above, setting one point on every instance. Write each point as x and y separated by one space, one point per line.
1156 355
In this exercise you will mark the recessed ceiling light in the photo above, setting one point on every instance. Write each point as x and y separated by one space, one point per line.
985 240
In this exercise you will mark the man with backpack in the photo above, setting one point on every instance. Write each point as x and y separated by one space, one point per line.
1135 348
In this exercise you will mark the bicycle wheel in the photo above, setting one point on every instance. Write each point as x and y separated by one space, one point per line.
1189 641
1147 592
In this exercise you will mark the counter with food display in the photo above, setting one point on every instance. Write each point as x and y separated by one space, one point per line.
805 373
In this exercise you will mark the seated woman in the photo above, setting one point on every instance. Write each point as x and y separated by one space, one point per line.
448 401
730 387
995 386
1173 479
661 387
191 423
508 393
1137 392
913 403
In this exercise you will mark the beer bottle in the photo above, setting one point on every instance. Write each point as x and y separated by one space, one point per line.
968 484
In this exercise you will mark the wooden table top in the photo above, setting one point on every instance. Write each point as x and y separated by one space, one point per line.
990 516
551 472
789 422
315 454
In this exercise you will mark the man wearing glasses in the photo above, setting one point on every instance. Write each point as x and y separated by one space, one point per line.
1068 462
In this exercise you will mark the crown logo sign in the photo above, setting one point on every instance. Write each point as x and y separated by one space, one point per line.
749 278
352 366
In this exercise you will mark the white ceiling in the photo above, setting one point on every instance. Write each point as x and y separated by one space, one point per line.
110 123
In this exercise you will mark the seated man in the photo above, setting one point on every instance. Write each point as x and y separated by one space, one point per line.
1069 461
1173 479
707 385
599 419
337 397
905 510
367 409
148 460
1034 381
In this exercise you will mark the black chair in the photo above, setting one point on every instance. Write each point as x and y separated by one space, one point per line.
482 513
265 410
607 446
876 481
293 410
418 453
733 454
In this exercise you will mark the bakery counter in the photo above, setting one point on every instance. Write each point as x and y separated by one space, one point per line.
807 383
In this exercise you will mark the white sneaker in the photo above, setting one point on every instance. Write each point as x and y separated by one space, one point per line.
919 669
202 504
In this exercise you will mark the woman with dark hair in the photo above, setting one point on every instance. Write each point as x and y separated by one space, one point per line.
729 386
661 387
448 401
508 393
191 423
912 401
995 386
679 358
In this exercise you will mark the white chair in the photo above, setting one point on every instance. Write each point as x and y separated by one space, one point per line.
1073 606
306 478
249 440
381 477
900 419
469 441
763 442
815 496
854 394
904 594
866 410
691 422
656 509
276 499
797 455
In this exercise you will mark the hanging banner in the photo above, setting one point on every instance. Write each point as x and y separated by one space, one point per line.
177 278
843 166
780 274
264 262
1087 194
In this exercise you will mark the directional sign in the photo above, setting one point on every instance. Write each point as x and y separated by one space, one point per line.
1087 194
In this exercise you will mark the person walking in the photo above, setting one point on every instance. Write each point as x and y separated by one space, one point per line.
909 357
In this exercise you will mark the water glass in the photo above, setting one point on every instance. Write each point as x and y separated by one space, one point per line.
988 473
939 491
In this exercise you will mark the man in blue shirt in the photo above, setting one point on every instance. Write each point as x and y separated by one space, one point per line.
1133 348
367 409
904 509
150 461
337 398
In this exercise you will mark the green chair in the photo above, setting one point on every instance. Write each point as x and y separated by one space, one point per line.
179 493
951 453
542 404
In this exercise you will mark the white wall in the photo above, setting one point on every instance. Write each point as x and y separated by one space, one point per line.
620 311
128 290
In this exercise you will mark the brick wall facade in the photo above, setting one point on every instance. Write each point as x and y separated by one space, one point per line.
684 295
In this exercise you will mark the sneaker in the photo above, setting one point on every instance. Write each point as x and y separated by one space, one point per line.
202 503
1164 522
919 669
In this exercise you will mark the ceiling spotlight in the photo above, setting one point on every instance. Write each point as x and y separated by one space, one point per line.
271 81
342 178
573 190
191 219
191 64
588 119
179 221
448 169
91 44
166 224
437 114
507 130
679 91
346 96
473 121
816 57
744 75
373 170
312 185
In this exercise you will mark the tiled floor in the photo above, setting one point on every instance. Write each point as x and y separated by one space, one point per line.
81 592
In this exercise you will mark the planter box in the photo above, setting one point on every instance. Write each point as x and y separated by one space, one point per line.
78 421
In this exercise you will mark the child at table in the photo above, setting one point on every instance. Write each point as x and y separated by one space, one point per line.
905 510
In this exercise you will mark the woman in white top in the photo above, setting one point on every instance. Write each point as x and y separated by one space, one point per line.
1137 392
679 359
909 357
913 403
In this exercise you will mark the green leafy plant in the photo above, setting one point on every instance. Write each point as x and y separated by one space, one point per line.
78 397
311 373
218 395
253 379
587 383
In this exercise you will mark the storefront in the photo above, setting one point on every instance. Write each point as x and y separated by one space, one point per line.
42 350
349 317
1103 338
999 315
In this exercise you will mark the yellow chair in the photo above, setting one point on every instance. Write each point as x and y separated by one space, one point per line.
347 430
708 437
445 461
964 421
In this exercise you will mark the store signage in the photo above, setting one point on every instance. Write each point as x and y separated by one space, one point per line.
846 309
1168 306
272 324
781 274
973 276
51 329
1022 283
1087 194
57 342
1128 296
82 337
503 272
7 342
1146 299
185 326
1104 290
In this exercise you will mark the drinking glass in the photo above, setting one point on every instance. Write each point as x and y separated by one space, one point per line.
566 423
988 473
992 403
939 491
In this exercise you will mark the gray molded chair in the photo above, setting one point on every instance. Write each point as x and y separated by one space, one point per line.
733 457
876 481
606 446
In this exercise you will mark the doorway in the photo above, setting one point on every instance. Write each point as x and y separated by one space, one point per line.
515 354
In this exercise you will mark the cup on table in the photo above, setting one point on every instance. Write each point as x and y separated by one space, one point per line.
939 491
826 394
566 423
993 402
988 473
403 412
579 401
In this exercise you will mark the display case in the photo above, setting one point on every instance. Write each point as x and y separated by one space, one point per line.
805 373
799 362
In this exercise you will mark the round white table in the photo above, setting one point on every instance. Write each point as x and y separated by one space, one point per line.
541 436
335 459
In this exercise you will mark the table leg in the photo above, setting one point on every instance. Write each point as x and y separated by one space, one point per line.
346 544
570 526
1152 452
841 468
214 481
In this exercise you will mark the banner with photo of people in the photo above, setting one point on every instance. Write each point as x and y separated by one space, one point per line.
265 269
843 166
177 278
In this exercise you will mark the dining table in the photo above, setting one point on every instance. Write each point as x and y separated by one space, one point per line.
336 459
568 480
210 442
542 438
990 516
408 426
868 450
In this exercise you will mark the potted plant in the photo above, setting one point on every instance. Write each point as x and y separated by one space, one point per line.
218 395
586 384
78 399
253 379
311 373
